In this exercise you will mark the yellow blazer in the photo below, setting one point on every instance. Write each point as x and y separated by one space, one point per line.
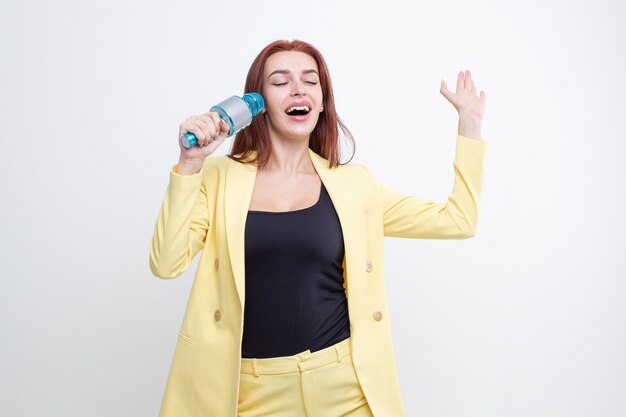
207 212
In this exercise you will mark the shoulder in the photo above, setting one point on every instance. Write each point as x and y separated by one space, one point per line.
214 170
356 172
215 162
221 164
360 182
353 170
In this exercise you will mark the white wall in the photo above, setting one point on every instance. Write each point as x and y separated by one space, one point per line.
526 319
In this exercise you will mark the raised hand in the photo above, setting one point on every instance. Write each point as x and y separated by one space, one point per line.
466 99
469 104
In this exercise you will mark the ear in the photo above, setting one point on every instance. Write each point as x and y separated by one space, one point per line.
321 108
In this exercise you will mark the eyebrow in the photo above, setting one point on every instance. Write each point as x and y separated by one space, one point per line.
282 71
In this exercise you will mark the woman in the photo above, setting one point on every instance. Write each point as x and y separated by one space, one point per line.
288 313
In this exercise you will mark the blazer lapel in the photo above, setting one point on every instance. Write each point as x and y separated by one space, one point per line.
348 207
237 196
239 185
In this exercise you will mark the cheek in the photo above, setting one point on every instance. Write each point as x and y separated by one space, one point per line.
271 107
320 98
276 112
274 117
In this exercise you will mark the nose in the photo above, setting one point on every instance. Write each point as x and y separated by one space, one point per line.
298 89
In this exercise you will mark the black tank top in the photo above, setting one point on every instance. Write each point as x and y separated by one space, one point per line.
295 298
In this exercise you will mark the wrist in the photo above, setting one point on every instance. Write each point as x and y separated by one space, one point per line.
470 126
186 167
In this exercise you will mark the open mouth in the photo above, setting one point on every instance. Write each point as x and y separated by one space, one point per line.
298 111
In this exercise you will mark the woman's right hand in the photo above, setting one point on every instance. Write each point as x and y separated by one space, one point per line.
210 131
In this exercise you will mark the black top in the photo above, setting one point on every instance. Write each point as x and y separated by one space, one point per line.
295 298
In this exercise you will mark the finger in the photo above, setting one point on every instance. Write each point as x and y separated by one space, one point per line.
212 130
184 127
468 80
212 118
473 88
444 90
219 124
209 123
449 95
215 143
460 81
208 131
190 127
224 130
206 118
209 126
483 96
188 124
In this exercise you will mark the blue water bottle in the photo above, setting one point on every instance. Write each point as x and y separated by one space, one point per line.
236 111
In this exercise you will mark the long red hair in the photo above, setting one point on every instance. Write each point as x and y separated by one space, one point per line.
324 140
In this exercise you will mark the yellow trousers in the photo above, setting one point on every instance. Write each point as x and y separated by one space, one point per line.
318 384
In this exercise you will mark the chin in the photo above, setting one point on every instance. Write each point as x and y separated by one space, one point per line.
299 135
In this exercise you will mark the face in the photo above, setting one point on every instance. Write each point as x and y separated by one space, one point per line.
293 95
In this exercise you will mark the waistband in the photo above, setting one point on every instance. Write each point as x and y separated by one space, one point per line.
301 362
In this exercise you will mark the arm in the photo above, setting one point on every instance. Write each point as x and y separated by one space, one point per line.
182 225
407 216
411 217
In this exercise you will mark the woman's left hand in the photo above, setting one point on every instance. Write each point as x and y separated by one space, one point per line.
466 99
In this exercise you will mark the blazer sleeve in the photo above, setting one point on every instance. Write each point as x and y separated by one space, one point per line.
410 217
182 225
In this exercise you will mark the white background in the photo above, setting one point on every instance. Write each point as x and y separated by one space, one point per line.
528 318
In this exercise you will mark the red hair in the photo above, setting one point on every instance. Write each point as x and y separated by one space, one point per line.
324 140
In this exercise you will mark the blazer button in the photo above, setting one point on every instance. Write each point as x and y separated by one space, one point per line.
368 266
378 315
218 314
217 263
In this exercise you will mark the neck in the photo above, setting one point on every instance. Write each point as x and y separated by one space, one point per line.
290 157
